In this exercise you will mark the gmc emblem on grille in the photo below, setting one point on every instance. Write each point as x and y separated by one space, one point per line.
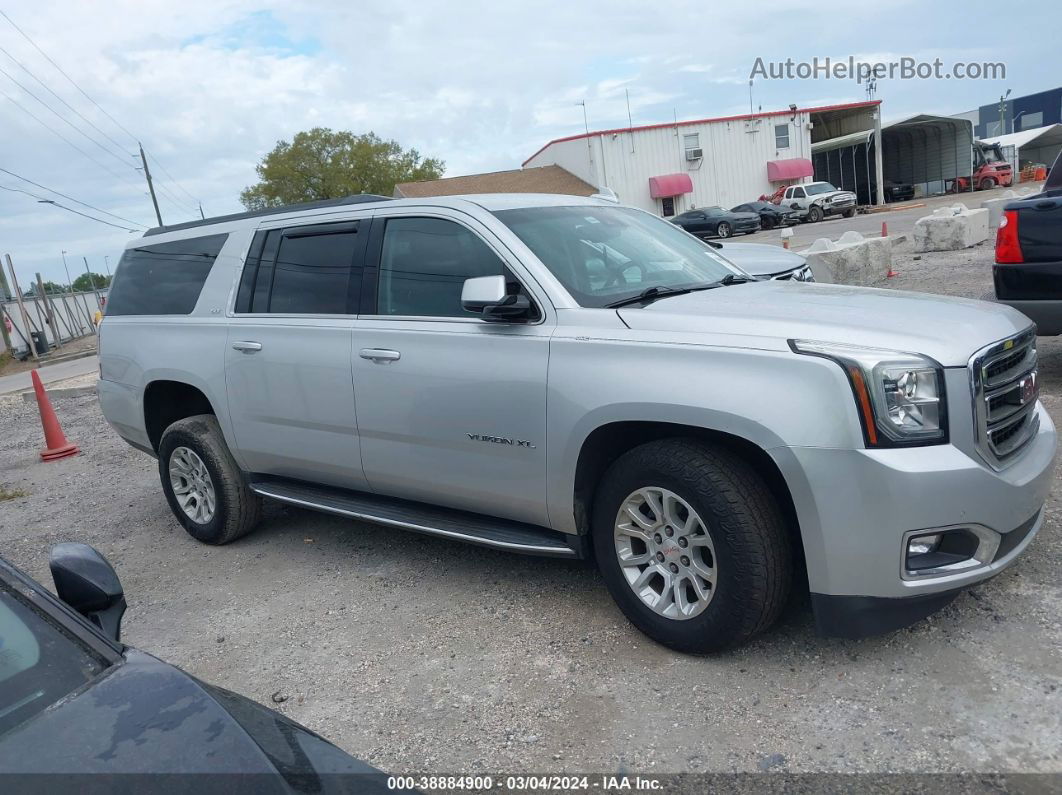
1028 388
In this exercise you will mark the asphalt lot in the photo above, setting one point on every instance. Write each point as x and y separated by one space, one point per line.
900 220
418 654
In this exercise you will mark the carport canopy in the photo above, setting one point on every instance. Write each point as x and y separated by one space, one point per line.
1040 145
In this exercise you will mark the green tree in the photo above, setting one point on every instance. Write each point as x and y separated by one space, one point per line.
328 164
82 284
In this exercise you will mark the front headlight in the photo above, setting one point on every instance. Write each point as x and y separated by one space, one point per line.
899 396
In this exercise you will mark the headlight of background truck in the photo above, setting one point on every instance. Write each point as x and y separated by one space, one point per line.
899 396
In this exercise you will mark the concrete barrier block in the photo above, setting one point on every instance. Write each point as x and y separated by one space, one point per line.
950 229
995 206
852 259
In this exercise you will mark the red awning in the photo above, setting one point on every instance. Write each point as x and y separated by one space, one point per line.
794 168
670 185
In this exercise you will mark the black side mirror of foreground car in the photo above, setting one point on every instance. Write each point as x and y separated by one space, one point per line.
87 582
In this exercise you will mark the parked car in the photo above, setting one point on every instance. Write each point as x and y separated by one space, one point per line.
716 221
765 261
564 376
898 191
817 200
76 704
1028 269
771 215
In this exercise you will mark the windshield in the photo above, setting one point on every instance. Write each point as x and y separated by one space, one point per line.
39 664
606 254
815 188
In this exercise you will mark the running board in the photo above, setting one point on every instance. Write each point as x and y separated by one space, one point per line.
472 528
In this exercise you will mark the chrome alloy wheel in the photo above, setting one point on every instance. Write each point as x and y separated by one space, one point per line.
192 485
665 553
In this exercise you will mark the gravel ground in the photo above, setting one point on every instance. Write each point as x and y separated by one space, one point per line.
419 654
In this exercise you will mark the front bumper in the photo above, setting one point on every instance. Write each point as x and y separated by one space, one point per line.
856 506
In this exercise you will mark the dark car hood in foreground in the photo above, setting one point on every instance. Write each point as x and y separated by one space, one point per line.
760 259
149 718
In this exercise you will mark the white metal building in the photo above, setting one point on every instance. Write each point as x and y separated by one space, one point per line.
670 168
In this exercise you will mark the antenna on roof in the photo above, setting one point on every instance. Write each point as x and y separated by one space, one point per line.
630 121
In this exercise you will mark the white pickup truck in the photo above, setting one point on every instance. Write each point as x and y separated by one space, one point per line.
817 200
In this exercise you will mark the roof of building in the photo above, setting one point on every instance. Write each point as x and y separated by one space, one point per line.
1041 136
546 179
762 115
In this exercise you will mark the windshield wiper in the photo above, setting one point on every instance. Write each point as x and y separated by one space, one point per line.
733 278
649 294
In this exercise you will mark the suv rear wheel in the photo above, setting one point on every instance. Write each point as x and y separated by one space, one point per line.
203 484
692 545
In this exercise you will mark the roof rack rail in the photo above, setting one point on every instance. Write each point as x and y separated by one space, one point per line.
362 198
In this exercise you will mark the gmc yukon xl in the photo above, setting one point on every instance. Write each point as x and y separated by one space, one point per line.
565 376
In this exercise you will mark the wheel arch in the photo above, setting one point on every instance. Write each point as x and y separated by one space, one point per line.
167 400
607 442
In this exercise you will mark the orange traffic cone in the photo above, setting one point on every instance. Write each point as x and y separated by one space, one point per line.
55 440
884 229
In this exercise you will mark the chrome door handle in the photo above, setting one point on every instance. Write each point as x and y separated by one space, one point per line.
247 346
380 355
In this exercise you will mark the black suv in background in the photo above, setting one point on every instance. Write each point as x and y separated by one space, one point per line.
1028 269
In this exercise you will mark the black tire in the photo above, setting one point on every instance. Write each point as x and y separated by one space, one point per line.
814 214
752 546
237 508
766 222
722 229
988 183
850 212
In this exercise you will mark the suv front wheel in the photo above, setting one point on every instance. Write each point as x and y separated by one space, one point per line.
692 545
203 484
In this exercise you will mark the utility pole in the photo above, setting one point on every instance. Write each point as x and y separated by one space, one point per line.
107 265
151 187
1002 115
22 309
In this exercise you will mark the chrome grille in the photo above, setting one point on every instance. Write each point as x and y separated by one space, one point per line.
1004 381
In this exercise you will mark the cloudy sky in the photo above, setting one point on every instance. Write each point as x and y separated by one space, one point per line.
209 86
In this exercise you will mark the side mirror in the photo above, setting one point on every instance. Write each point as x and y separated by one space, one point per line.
87 582
488 296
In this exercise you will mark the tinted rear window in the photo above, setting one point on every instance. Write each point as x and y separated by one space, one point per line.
164 279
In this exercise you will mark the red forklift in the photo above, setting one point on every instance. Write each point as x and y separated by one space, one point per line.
991 169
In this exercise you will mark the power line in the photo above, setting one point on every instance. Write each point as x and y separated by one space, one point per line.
69 198
155 160
68 77
47 88
181 205
65 120
68 209
67 140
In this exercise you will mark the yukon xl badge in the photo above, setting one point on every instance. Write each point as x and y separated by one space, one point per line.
483 437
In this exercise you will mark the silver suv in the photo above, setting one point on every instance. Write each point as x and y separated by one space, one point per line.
564 376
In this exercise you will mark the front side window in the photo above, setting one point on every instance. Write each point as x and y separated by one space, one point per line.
781 136
163 279
424 264
606 254
39 664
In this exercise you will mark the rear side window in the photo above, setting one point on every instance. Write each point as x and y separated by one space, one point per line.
164 279
301 270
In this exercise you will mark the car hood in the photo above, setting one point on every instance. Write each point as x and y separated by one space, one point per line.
946 329
146 716
832 195
760 259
